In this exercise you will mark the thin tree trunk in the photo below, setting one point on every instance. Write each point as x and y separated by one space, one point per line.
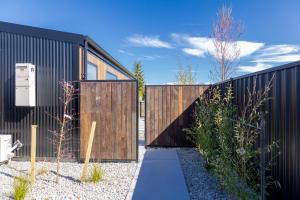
61 134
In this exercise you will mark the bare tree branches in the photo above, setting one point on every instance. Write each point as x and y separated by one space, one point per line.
63 135
185 75
226 31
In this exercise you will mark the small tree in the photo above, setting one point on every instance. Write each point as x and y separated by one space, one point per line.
185 75
139 75
65 123
226 31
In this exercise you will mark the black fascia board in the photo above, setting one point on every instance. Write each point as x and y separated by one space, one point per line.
41 33
94 46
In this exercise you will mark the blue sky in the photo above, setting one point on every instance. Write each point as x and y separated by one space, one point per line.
163 33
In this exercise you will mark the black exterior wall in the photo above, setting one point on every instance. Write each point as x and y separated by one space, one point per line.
55 61
56 57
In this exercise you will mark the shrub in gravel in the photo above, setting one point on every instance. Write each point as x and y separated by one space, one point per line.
21 188
227 137
95 174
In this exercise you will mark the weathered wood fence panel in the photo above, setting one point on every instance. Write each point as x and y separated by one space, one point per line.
114 106
169 109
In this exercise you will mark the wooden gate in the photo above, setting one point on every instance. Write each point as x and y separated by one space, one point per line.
114 107
169 109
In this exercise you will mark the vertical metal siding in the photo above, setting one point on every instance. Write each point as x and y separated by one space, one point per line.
54 62
282 122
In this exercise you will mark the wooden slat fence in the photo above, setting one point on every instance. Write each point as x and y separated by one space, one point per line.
114 106
169 109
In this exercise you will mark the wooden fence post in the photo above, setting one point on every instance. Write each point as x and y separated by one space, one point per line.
33 152
262 158
88 152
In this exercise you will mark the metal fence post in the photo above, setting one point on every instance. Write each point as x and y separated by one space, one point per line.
262 158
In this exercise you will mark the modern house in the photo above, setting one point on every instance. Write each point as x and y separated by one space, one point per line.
54 56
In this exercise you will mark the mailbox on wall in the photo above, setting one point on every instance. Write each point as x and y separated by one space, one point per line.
25 85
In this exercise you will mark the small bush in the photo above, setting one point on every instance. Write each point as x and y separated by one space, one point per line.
21 188
227 137
95 175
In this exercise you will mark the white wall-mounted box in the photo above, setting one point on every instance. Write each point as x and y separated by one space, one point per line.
5 146
25 85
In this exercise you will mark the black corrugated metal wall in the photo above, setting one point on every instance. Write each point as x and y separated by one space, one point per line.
282 122
55 61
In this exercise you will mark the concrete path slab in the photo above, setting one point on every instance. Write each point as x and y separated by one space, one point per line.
160 177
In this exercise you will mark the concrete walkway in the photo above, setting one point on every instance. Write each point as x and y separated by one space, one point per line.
160 177
158 174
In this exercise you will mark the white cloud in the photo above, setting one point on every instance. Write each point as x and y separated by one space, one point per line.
254 68
278 54
194 52
197 46
279 58
148 41
270 55
273 50
247 48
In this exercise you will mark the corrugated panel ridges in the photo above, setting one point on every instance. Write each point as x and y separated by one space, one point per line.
54 62
282 123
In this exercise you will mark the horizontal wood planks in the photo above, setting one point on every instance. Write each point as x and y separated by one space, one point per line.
169 109
113 105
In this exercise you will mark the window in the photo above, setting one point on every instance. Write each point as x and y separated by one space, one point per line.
92 71
111 76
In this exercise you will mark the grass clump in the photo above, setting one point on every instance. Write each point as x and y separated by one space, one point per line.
42 171
95 174
21 188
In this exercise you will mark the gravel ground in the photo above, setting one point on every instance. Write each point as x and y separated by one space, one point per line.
200 183
114 185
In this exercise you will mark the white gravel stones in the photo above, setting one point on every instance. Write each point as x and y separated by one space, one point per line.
200 183
114 185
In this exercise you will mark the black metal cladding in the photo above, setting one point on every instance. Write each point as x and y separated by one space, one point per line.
282 122
55 60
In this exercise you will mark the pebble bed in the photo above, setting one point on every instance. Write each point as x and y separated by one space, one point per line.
114 185
201 184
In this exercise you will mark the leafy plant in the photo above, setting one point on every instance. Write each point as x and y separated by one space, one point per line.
203 132
228 139
21 188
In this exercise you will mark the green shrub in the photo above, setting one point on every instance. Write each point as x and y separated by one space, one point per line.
203 133
95 174
21 188
228 139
